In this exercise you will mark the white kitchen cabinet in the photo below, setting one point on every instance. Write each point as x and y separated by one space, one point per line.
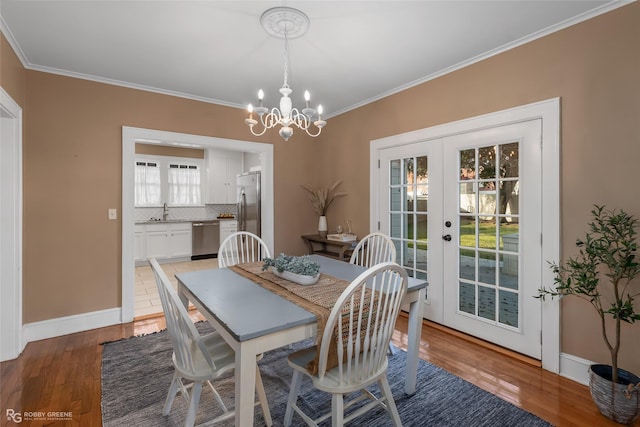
140 247
222 169
180 240
168 240
227 228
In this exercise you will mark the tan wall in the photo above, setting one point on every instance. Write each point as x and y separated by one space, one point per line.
72 156
163 150
12 73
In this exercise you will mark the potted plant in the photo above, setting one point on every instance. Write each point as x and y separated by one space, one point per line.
299 269
321 199
603 274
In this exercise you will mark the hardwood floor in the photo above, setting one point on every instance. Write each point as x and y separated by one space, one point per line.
63 375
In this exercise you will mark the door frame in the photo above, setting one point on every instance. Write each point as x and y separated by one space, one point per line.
11 334
549 112
131 135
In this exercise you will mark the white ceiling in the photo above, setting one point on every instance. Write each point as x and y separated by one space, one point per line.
216 51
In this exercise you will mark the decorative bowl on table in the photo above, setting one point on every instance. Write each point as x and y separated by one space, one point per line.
299 269
300 279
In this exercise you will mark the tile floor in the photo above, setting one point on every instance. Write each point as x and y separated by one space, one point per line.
147 300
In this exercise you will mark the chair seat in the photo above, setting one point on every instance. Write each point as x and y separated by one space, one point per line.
222 355
331 382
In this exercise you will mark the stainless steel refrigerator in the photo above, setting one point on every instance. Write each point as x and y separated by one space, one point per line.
248 188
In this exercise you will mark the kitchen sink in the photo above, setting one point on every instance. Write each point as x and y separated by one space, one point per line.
164 221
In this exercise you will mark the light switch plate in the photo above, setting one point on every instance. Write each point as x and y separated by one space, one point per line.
113 214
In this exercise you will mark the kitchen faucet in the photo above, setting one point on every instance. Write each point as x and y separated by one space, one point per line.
165 212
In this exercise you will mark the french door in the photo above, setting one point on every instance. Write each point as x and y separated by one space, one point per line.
464 212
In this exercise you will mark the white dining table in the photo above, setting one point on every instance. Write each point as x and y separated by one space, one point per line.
253 320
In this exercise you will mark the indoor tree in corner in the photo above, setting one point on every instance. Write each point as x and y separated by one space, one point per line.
603 273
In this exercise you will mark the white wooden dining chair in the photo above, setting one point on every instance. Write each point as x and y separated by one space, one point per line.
362 346
241 247
373 249
197 359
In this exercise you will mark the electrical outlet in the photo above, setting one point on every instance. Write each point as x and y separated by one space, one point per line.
113 214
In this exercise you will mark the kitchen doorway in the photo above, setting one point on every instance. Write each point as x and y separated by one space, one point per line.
131 136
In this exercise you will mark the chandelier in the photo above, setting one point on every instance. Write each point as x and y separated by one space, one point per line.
285 23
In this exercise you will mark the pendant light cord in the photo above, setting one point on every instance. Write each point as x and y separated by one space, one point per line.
286 59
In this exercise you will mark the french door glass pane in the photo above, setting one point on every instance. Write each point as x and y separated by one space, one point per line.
508 191
395 199
467 298
408 171
487 267
487 302
509 160
395 225
487 162
467 231
488 233
509 308
468 197
467 264
395 171
408 255
408 212
421 231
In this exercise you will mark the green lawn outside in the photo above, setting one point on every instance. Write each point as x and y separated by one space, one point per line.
486 235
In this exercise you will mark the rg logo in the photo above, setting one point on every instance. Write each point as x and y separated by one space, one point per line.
14 416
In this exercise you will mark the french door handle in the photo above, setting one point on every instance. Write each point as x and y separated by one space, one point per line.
447 237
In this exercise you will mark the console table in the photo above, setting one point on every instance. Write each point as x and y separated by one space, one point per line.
330 248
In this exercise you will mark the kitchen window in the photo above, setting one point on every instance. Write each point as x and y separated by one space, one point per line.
147 184
184 184
177 181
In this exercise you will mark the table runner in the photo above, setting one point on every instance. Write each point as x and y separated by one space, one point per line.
318 299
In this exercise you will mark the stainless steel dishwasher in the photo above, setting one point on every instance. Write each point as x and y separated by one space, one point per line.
205 239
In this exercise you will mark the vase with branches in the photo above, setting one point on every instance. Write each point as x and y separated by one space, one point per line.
321 198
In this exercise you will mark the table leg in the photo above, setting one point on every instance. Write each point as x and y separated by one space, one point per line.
310 246
245 377
183 297
416 309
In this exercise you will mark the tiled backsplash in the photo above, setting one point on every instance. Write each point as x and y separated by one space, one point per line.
186 213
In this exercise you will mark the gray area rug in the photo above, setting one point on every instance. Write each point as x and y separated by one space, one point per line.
136 373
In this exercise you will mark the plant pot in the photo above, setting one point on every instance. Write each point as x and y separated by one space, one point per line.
300 279
322 226
610 397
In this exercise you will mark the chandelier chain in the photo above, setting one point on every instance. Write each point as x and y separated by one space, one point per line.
286 59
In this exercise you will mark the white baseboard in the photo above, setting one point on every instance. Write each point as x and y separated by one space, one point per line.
70 324
575 368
